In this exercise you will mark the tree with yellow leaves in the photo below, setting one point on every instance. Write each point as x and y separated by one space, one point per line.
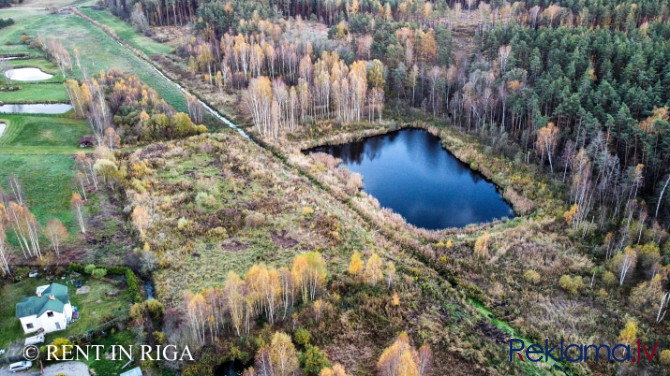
482 246
196 314
356 264
401 359
629 333
4 246
140 219
390 274
337 370
547 138
77 204
309 273
55 231
373 270
283 355
570 214
265 287
233 292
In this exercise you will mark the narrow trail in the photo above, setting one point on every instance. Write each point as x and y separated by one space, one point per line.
472 303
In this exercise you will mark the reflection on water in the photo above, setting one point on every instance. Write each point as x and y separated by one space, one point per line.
27 74
409 172
38 108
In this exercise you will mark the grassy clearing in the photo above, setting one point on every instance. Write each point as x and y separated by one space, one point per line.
47 182
126 32
54 3
47 131
93 306
36 93
18 49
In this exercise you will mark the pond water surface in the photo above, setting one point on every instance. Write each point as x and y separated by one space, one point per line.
27 74
37 108
410 172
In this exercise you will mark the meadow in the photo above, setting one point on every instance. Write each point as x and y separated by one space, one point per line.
126 32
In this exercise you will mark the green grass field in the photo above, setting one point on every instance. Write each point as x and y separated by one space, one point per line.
47 182
93 306
43 131
126 32
36 93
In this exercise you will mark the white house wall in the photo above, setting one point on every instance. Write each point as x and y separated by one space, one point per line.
48 323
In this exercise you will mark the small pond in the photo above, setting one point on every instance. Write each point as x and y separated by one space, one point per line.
37 108
3 126
410 172
27 74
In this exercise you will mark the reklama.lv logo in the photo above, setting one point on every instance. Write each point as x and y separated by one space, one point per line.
577 353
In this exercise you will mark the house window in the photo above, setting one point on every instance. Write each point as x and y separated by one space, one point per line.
50 314
57 325
29 326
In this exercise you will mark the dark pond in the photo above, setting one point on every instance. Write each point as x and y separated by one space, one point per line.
410 172
230 368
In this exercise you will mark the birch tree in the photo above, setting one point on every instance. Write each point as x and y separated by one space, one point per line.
56 233
77 204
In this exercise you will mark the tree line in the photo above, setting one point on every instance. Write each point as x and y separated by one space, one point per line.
120 108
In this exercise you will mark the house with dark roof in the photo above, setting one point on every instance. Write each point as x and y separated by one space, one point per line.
49 309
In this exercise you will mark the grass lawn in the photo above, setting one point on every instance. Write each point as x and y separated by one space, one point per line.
93 306
15 49
46 131
36 93
126 32
47 182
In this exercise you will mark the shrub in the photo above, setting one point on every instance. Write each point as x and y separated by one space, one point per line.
182 223
313 359
205 200
99 273
89 268
254 220
307 211
482 245
571 284
302 336
133 288
609 279
665 357
79 268
531 276
61 345
156 309
160 337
